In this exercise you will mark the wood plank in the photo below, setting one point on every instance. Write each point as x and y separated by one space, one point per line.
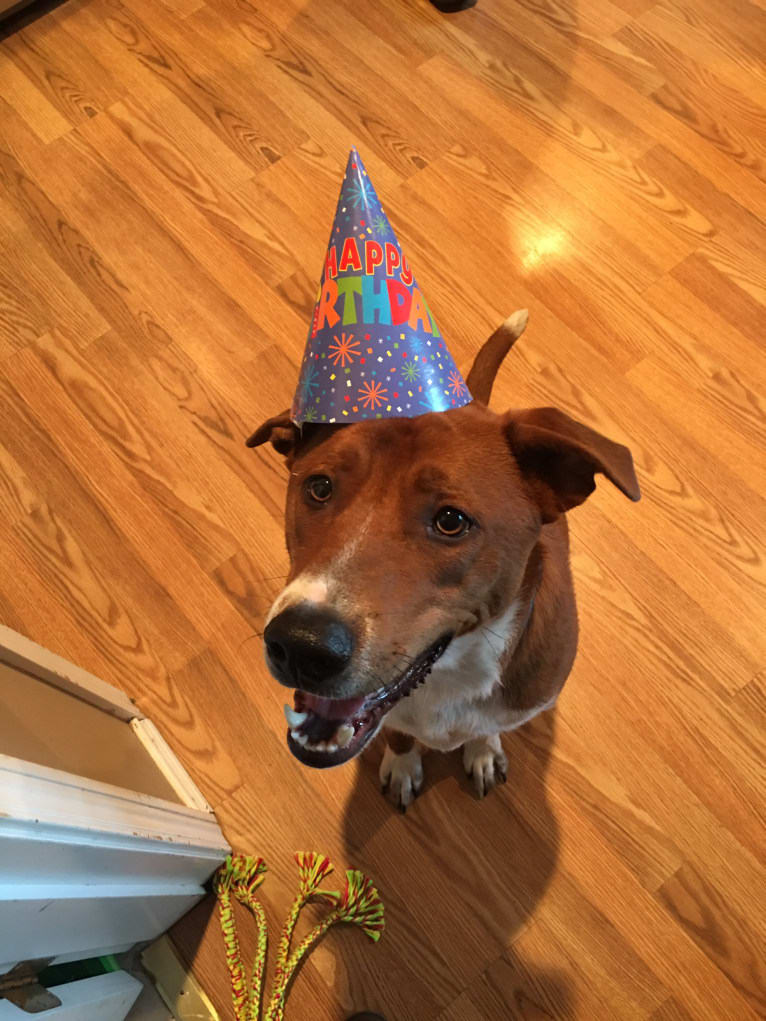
728 45
160 58
588 863
731 765
50 298
751 700
533 980
736 405
729 215
221 231
67 73
72 250
703 337
98 589
627 80
701 100
734 277
29 102
737 948
670 1010
387 112
578 158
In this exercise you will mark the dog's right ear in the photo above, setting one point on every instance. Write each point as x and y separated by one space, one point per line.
560 458
280 431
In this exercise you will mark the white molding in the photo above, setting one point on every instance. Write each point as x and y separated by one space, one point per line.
82 920
28 851
77 955
167 763
42 920
24 654
100 998
42 798
45 921
86 866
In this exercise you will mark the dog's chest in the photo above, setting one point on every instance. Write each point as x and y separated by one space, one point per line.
463 697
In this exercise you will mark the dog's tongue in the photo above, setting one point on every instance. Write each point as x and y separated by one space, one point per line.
328 708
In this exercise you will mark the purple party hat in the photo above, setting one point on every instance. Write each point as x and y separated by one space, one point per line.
373 350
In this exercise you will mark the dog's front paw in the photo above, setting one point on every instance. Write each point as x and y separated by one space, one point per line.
401 776
485 762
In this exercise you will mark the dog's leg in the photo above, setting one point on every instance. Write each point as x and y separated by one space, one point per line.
401 771
485 761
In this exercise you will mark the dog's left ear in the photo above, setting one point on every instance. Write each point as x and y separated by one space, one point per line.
280 431
560 457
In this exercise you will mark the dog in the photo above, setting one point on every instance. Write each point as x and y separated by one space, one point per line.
430 590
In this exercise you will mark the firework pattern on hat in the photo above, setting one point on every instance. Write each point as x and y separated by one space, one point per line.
374 350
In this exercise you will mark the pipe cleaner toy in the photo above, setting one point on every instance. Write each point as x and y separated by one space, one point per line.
239 877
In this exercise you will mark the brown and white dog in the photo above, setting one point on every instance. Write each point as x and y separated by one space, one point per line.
431 545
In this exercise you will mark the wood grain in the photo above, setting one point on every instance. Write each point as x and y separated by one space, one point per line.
168 174
697 904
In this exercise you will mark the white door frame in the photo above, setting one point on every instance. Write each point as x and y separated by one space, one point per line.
86 867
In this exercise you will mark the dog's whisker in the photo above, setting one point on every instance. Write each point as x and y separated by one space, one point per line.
494 651
256 634
500 638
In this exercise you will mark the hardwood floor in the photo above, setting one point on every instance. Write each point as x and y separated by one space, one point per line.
168 174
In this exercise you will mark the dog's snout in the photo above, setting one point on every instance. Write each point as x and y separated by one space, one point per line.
308 645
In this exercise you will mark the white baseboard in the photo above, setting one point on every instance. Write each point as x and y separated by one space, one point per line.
101 998
40 920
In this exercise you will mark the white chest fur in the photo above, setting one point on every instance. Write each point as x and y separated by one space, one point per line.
463 698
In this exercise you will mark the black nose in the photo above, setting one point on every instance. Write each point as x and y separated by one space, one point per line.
307 645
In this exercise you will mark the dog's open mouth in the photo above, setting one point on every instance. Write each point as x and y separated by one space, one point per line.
327 732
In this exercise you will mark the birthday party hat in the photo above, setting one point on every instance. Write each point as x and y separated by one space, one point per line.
373 350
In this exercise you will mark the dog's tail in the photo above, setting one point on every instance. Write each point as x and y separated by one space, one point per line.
489 359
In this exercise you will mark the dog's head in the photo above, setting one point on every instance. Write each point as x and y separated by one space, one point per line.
404 533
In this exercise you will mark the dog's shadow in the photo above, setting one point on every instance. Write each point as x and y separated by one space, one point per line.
460 879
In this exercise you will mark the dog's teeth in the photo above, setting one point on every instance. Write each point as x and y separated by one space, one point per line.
320 746
300 738
331 747
343 735
294 719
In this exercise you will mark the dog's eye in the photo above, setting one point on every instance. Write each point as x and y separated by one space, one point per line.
319 488
451 522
